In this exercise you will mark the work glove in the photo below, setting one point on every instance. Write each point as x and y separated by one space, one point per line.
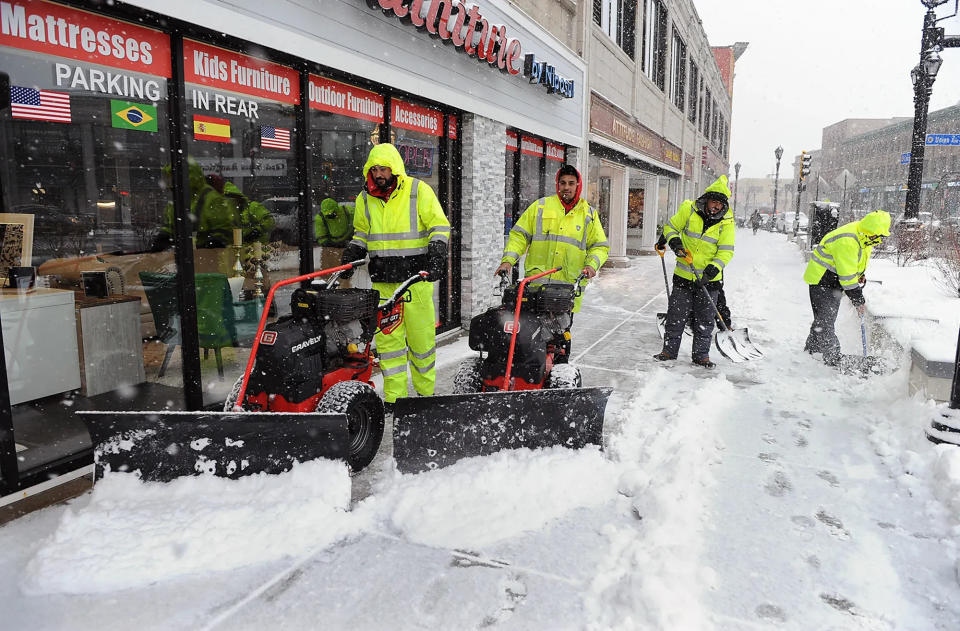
661 244
862 280
677 246
710 272
351 253
436 260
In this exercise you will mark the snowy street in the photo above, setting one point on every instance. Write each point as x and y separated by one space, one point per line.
775 493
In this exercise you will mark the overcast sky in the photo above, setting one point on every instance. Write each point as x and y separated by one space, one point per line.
812 63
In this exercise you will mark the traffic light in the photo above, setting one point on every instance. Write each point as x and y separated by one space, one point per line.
805 159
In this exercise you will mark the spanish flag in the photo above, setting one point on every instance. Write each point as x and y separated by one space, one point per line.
210 128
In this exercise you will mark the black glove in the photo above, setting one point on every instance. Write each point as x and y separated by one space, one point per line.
677 246
436 260
710 272
351 253
661 244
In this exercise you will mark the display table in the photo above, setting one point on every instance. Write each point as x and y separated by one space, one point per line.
39 342
111 350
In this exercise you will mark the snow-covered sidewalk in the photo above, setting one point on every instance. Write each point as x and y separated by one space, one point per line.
774 493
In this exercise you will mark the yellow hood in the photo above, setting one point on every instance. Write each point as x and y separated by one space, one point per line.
385 155
719 186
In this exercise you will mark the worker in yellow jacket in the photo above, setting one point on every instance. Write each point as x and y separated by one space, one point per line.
561 230
838 266
399 223
704 228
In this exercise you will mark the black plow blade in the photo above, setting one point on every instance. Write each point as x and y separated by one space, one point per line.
163 446
434 432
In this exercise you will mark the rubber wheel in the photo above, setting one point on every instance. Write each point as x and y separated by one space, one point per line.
467 380
232 397
364 411
564 376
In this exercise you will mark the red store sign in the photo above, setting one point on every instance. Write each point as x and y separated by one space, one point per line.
512 141
52 29
471 33
339 98
452 127
531 146
554 152
227 70
416 118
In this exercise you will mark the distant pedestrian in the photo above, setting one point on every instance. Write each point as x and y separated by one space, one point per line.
755 221
838 265
704 229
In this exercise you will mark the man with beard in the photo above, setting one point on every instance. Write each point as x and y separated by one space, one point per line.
399 223
704 229
558 231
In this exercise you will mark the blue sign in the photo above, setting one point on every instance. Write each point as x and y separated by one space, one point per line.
904 158
943 139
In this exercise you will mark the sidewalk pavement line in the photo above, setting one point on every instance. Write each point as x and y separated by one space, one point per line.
622 322
224 615
486 561
619 370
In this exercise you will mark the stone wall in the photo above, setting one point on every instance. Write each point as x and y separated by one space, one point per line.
484 145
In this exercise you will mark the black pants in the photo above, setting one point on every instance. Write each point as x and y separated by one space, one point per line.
686 299
825 302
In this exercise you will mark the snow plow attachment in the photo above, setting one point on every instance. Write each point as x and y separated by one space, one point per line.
434 432
163 446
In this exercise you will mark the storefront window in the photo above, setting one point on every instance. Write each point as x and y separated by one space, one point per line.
84 162
531 173
509 190
344 125
554 160
244 198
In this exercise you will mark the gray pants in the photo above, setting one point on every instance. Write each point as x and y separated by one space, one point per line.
685 298
825 302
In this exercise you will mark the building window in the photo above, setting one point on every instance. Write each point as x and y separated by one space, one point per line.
716 122
678 71
655 41
707 114
617 18
694 89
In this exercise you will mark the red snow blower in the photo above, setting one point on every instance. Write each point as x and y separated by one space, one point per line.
306 393
521 394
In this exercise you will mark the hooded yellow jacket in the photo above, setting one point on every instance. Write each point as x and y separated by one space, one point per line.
710 244
396 232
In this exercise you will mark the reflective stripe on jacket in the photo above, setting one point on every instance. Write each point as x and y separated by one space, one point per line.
713 246
842 251
551 237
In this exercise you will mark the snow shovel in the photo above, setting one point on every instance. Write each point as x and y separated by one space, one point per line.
434 432
734 345
662 317
866 364
164 445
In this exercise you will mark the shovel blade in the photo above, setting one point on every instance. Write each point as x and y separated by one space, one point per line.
164 446
434 432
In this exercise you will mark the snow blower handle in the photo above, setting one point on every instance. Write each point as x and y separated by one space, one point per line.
516 322
335 278
504 283
578 284
399 294
238 407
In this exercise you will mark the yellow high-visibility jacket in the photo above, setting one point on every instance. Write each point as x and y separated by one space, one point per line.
844 252
397 232
551 237
713 246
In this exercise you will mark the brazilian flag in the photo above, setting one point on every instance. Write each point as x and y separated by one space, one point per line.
127 115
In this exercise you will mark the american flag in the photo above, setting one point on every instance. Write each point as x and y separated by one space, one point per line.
40 105
274 137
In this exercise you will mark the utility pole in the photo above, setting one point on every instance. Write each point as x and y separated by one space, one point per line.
805 159
736 187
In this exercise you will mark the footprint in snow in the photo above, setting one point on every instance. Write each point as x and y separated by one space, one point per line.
803 521
839 603
767 611
778 485
829 477
800 440
768 457
814 561
804 423
514 594
835 525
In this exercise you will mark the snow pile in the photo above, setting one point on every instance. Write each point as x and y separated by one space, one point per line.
480 501
654 568
133 533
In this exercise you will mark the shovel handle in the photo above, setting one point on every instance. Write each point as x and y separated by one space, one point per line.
689 261
516 324
238 406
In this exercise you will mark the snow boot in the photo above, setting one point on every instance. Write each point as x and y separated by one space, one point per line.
664 356
704 362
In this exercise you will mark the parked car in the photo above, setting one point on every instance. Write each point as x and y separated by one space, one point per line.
785 221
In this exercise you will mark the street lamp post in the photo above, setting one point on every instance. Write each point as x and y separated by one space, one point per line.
736 186
923 75
776 185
